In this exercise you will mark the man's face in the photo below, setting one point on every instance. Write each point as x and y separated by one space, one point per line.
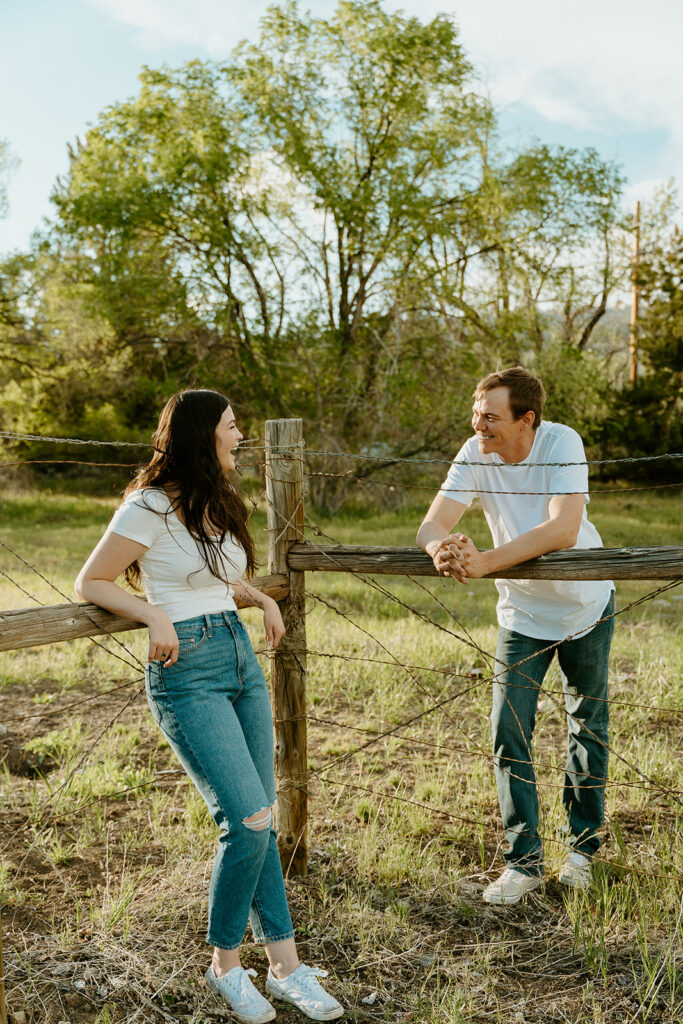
496 429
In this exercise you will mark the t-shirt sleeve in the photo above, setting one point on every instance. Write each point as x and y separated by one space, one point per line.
569 479
460 484
138 519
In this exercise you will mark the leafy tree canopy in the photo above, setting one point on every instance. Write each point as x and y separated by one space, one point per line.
326 224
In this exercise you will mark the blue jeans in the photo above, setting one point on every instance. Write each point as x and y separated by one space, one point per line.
515 697
214 709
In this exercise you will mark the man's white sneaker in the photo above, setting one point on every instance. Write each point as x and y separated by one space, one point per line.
510 887
303 990
245 1001
576 870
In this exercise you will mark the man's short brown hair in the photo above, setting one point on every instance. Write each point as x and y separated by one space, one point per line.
525 391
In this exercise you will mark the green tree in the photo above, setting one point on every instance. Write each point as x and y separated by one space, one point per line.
648 416
325 226
161 209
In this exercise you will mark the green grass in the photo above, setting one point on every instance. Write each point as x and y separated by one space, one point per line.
106 850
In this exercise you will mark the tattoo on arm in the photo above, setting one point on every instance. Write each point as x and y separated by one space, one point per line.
251 594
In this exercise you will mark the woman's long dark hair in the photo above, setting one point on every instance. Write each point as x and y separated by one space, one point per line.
186 466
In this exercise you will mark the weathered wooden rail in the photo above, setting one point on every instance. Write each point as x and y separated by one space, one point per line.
288 561
664 563
32 627
50 624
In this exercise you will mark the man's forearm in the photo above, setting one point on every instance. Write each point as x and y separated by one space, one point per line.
431 533
553 535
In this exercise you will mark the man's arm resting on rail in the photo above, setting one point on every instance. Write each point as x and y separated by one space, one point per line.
559 531
434 536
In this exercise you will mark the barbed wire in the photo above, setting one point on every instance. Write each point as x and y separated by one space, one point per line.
324 768
52 801
373 583
388 459
54 712
392 484
51 804
14 436
360 576
394 459
66 462
487 755
485 679
116 795
662 709
493 677
480 824
86 462
376 737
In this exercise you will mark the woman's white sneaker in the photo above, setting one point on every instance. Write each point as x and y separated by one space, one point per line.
302 989
245 1001
510 887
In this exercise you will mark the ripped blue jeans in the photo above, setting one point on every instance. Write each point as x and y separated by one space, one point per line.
214 709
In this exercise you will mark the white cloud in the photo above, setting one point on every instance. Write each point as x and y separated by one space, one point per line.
644 191
214 26
588 64
596 64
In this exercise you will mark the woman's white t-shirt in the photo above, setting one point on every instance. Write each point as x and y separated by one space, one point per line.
174 573
514 498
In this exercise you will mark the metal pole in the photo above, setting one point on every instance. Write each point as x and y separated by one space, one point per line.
635 298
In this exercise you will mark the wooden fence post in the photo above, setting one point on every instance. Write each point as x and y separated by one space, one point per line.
285 495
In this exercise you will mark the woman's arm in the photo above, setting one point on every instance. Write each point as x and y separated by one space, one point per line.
95 583
272 619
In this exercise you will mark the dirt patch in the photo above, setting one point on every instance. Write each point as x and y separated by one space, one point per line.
112 930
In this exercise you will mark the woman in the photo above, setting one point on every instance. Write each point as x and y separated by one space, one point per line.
182 531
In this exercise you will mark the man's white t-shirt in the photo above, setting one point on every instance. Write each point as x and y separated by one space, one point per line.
175 576
515 498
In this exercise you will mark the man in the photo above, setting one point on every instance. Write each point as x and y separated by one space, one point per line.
532 508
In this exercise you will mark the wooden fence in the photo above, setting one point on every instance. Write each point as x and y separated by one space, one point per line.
288 560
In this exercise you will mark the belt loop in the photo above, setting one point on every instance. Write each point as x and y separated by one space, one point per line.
209 627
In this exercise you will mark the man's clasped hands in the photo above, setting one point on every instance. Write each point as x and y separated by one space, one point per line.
457 556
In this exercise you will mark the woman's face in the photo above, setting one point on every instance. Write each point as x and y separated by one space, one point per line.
227 439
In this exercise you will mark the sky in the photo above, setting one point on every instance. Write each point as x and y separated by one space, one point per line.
601 73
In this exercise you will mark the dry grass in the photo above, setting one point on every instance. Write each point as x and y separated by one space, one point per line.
106 850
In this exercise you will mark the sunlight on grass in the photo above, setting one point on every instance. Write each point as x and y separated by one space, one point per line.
404 826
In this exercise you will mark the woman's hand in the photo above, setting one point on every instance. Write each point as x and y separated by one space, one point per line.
272 623
163 640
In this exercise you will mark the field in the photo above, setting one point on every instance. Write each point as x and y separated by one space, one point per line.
106 850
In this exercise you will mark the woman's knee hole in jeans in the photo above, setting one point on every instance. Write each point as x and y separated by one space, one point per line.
260 821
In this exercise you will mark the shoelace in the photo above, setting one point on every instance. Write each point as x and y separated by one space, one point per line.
308 978
508 875
245 985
